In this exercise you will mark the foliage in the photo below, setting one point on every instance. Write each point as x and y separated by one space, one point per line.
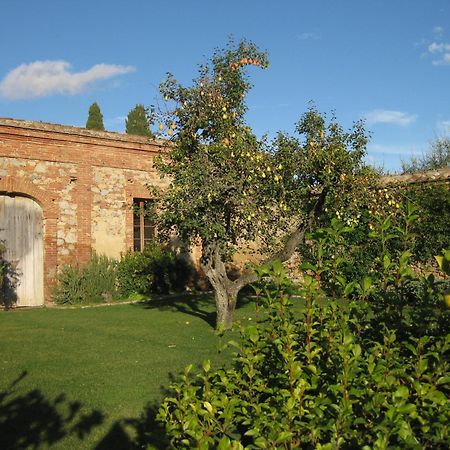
385 277
93 283
2 266
137 122
443 261
339 377
229 188
9 279
353 242
433 226
95 118
438 157
156 269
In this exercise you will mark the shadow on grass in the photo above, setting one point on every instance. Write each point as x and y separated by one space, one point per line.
201 305
30 420
147 433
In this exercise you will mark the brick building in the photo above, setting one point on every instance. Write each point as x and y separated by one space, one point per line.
66 192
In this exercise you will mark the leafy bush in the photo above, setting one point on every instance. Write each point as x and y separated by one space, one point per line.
9 279
102 279
338 377
2 266
134 274
93 283
156 269
433 203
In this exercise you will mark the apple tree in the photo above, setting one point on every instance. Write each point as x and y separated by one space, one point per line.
228 188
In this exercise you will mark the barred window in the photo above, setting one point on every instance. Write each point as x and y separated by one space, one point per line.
143 223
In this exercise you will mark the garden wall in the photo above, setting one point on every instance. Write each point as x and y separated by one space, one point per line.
84 181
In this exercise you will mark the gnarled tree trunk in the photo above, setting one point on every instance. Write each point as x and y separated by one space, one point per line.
226 290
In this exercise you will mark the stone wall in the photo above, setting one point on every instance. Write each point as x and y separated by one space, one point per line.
85 182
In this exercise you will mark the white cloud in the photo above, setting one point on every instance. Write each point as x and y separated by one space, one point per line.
440 50
443 127
402 150
445 60
438 47
438 32
390 117
43 78
309 36
115 123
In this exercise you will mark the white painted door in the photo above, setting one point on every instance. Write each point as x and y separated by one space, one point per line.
21 234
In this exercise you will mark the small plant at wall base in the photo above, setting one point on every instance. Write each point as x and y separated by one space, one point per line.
9 280
155 270
93 283
2 265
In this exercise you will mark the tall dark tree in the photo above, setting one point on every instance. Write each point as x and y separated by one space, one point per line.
95 118
137 122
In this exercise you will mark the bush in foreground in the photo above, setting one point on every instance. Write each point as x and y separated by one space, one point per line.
336 378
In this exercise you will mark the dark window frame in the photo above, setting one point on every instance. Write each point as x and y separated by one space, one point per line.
144 229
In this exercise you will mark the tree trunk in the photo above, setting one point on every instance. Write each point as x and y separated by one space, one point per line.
225 290
225 306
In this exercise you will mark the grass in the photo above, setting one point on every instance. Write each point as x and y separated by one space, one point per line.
93 377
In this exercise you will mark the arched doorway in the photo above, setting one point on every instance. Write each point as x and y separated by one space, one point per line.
21 233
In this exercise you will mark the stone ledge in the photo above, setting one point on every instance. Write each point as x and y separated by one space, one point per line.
419 177
71 133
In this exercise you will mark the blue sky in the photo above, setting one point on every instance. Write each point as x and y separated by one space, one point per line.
385 60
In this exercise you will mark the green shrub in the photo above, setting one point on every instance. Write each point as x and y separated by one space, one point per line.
156 269
134 274
433 227
9 279
93 283
137 273
338 377
2 266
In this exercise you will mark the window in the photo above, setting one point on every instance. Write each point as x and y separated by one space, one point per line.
143 224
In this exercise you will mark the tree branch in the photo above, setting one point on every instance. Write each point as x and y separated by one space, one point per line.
296 238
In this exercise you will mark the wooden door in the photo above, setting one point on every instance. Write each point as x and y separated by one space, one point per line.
21 233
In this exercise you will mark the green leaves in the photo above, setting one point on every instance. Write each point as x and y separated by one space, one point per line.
230 189
444 261
335 376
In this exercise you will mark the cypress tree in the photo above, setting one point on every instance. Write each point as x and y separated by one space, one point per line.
137 123
95 118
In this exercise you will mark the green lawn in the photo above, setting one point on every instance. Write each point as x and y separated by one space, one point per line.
85 377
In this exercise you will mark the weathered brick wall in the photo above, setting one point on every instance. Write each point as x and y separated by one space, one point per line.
85 182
